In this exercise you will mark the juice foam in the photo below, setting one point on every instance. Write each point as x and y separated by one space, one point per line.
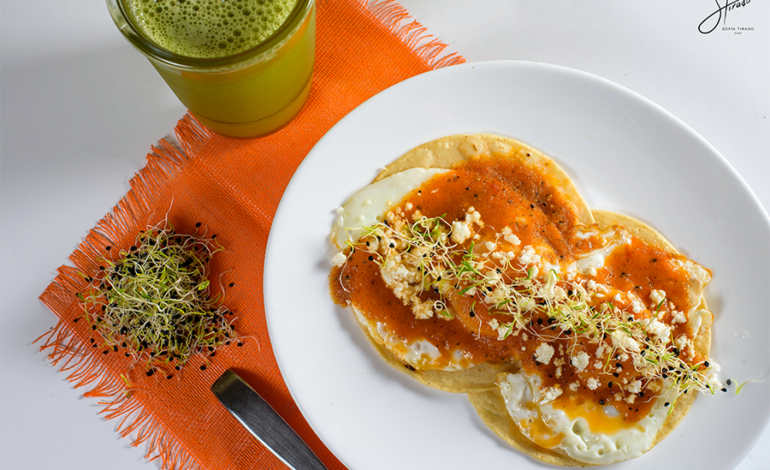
208 28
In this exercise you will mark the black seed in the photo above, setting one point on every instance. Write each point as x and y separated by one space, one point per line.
618 365
724 389
706 363
198 225
240 344
93 327
105 352
95 345
539 321
127 354
115 348
92 340
169 376
666 404
177 367
641 394
473 314
150 372
371 258
616 374
601 401
609 384
729 382
203 367
107 248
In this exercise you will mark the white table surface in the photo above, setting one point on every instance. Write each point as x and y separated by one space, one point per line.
80 109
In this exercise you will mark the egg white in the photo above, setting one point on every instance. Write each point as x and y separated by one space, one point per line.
367 206
419 353
526 403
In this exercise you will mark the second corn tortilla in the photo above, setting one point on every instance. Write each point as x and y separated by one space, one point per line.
490 404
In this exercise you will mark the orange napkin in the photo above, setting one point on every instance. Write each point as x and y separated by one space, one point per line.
232 187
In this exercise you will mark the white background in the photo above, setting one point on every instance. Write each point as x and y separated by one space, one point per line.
80 109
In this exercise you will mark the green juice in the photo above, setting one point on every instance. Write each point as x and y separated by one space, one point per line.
242 67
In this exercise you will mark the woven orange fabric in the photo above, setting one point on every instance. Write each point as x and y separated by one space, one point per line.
233 188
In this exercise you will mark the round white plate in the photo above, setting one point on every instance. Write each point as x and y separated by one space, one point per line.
623 152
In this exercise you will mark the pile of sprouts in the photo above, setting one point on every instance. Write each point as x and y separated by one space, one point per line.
516 296
153 302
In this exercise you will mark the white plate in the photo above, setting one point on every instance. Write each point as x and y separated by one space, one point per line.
624 153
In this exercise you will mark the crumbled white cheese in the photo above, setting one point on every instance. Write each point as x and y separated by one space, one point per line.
339 259
509 236
597 365
679 317
660 331
635 386
409 206
580 361
574 386
621 340
544 353
529 256
592 383
490 246
460 231
657 297
551 393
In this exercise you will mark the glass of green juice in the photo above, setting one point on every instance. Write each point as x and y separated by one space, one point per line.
242 67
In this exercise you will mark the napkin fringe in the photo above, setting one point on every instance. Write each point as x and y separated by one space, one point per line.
68 344
395 19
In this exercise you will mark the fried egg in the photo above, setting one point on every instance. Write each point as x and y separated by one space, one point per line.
367 206
419 353
588 432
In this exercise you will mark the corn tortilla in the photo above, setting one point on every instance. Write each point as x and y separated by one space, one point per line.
490 404
446 153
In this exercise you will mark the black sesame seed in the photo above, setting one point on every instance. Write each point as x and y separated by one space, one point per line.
105 352
601 401
107 248
473 314
198 225
729 382
609 384
724 389
641 394
128 355
618 365
150 372
706 363
93 327
539 321
169 376
666 404
92 340
240 344
231 284
203 367
371 258
177 367
616 374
